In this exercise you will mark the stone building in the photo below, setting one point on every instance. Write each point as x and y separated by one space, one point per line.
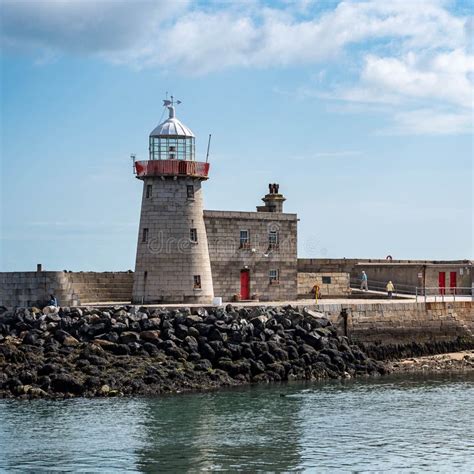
253 254
186 254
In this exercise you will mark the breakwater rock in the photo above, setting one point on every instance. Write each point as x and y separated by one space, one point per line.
131 350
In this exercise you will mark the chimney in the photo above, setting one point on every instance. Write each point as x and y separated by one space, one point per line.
273 200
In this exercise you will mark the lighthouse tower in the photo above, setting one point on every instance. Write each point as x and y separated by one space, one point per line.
172 263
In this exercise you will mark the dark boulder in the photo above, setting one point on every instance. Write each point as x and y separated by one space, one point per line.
152 336
48 369
129 336
203 365
65 383
207 352
267 358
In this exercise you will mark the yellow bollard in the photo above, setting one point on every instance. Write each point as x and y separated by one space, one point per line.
316 293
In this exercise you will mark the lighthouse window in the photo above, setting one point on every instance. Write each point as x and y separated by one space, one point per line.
190 191
148 190
193 235
197 282
145 235
162 148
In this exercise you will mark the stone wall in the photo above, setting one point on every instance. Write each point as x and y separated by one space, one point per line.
229 258
94 287
404 322
70 288
339 285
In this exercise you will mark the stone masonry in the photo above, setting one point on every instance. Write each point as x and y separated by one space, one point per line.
229 257
70 288
330 284
168 261
403 322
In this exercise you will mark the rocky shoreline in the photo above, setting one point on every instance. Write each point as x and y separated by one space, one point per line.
140 351
450 362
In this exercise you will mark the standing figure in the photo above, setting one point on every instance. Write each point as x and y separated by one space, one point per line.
363 281
390 289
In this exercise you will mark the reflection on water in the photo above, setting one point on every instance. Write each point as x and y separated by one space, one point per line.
392 423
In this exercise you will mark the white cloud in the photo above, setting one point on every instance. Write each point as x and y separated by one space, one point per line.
426 93
84 27
411 56
184 35
445 76
430 122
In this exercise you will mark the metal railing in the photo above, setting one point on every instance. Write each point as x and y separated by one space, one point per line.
436 293
171 168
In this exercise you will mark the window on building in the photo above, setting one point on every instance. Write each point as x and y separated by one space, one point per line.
197 282
190 191
193 235
273 239
145 235
274 276
326 280
244 239
148 190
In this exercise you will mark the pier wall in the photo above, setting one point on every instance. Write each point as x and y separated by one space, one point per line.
403 323
70 288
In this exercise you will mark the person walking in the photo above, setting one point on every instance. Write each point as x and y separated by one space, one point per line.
390 289
364 282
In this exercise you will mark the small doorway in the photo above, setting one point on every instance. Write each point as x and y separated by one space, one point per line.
442 282
245 284
452 281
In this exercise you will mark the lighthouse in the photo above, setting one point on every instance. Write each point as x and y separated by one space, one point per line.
172 261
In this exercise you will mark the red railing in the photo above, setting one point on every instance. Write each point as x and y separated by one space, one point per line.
171 168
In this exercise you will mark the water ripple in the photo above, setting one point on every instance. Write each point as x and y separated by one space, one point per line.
393 424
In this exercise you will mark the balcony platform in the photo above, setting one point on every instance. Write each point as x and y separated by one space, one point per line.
192 169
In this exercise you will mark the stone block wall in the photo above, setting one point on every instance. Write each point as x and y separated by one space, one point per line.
168 262
33 288
70 288
339 286
94 287
404 322
228 258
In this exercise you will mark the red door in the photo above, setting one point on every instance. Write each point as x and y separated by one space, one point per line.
244 284
442 282
452 281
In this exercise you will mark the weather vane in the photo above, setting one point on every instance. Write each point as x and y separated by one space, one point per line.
170 103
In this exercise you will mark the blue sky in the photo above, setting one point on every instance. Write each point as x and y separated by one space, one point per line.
362 111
